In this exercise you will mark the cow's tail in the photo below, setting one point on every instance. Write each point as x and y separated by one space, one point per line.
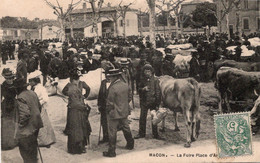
197 92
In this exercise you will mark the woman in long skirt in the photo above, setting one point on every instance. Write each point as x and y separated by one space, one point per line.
78 126
46 135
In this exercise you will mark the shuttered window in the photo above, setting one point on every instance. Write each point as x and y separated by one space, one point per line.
245 23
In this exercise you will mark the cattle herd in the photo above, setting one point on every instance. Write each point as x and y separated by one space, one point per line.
237 81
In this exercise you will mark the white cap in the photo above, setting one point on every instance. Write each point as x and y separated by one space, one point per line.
34 74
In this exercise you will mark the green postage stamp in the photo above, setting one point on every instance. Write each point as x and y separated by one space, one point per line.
233 134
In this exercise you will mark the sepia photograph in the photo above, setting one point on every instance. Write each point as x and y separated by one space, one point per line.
130 81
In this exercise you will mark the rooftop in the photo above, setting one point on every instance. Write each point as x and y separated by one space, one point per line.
103 9
193 2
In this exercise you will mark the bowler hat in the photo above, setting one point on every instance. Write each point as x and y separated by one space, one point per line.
90 53
7 73
124 61
114 72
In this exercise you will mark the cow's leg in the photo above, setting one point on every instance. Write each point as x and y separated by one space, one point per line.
175 115
226 101
163 125
220 103
188 125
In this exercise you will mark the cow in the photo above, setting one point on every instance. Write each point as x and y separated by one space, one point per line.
182 95
246 66
237 85
92 78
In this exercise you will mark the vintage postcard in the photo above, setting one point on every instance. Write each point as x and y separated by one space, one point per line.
130 81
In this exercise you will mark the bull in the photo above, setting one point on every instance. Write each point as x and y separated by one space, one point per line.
92 78
183 95
237 85
246 66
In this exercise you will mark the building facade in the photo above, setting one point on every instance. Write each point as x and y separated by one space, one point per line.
82 21
49 31
243 19
18 34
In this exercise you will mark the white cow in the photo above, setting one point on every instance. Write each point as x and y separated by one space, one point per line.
92 78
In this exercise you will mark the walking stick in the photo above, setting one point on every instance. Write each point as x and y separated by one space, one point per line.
100 113
40 153
99 134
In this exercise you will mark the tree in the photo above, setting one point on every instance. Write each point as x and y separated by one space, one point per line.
96 6
228 5
151 5
114 16
62 15
122 11
172 8
201 15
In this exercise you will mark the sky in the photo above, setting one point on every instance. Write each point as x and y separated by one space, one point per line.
39 9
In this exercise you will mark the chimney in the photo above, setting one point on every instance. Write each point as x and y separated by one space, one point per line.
84 6
109 4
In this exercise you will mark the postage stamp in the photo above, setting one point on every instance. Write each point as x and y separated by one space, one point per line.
233 134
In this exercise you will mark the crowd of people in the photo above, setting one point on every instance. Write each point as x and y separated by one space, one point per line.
134 73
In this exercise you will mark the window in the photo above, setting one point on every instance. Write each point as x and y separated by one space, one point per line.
245 23
258 23
246 4
127 22
92 30
50 28
121 23
15 33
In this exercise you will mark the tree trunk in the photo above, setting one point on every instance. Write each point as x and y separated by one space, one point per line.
62 34
177 26
95 27
227 25
124 26
152 25
116 28
168 24
220 26
141 25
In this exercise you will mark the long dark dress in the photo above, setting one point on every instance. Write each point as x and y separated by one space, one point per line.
8 108
78 126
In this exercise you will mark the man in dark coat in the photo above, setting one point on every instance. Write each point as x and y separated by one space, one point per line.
90 63
21 70
54 66
45 60
29 121
194 66
150 98
143 61
168 66
102 96
117 107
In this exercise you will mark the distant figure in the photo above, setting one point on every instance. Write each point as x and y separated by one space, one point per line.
21 70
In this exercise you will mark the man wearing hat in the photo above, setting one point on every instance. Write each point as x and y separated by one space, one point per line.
90 64
29 121
8 92
102 96
194 66
168 65
117 107
143 61
150 98
21 70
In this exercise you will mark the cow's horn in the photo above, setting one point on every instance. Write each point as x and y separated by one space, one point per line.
256 93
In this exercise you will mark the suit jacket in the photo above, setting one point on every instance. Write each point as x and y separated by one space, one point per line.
102 96
87 66
21 70
118 99
29 114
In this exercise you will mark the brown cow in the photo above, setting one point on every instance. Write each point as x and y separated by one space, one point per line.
237 85
183 95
